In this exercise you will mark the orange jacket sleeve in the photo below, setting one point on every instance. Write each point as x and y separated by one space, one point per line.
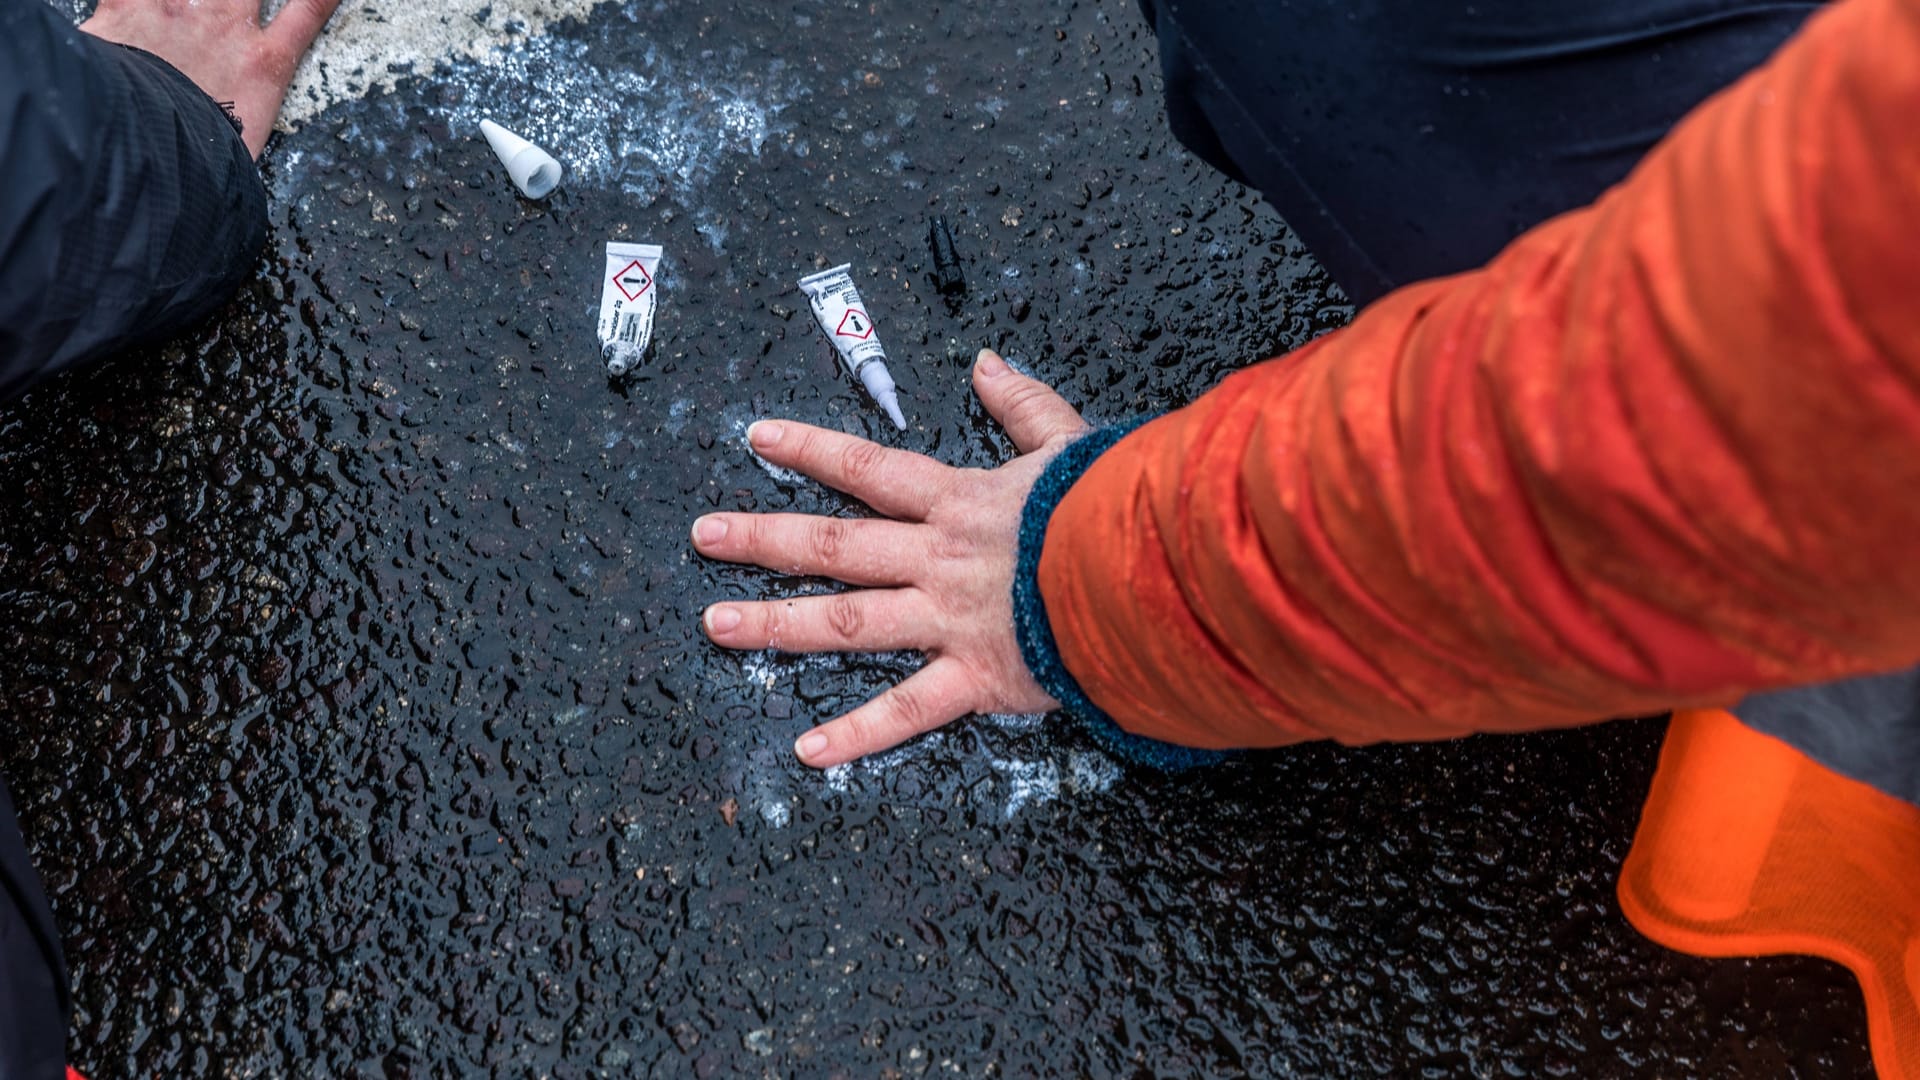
1662 451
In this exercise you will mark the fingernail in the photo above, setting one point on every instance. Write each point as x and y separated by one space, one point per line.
810 746
709 530
721 619
764 433
990 365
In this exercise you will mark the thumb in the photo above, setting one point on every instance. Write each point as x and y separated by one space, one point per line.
1029 409
299 23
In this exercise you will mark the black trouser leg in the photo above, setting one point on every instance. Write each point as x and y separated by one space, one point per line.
33 974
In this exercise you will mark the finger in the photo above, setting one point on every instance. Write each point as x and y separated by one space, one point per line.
894 482
297 24
934 695
1029 409
858 551
870 620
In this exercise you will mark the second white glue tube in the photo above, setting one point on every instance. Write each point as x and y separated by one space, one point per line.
628 295
836 303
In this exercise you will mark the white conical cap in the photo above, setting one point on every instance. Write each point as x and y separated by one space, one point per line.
534 171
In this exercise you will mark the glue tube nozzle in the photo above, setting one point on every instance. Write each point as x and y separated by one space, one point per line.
534 171
879 383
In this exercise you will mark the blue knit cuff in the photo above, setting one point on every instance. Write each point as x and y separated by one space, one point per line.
1037 645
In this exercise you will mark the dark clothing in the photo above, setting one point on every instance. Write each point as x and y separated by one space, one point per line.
34 1001
128 210
1866 729
1406 140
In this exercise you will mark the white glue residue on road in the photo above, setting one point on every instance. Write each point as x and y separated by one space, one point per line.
1011 782
1027 782
1004 764
369 47
650 123
659 123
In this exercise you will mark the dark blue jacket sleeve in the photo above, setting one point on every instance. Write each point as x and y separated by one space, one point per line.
129 208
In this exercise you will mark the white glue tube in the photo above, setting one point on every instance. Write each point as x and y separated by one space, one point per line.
836 303
627 292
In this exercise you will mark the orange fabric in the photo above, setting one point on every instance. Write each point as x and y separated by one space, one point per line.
1747 847
1661 452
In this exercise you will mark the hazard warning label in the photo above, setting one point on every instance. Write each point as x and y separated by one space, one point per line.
632 280
855 324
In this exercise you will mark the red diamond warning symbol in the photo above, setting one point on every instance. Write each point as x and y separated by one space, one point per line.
855 324
632 280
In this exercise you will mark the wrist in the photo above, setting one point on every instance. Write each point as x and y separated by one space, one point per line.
1038 647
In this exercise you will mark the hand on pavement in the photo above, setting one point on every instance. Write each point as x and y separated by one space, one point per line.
222 47
935 574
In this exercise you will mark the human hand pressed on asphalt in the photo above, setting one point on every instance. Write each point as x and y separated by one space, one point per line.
937 577
222 47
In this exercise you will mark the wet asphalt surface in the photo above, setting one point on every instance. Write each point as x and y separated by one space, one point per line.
359 718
